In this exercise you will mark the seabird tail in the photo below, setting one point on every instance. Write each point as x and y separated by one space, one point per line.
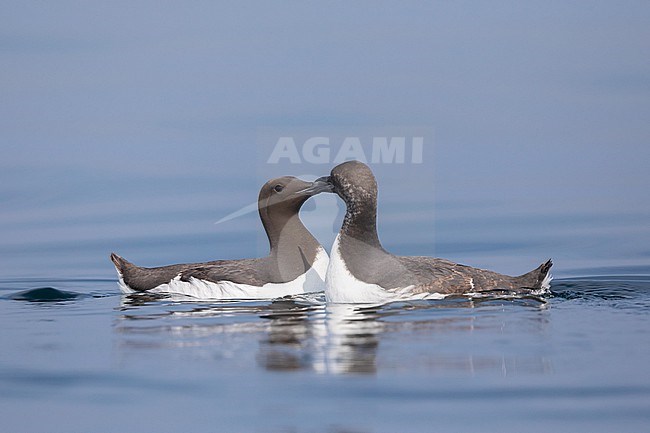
539 278
121 266
545 270
138 279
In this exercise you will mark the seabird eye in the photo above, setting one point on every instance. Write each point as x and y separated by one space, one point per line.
278 188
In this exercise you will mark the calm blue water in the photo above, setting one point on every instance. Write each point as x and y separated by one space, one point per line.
135 127
76 354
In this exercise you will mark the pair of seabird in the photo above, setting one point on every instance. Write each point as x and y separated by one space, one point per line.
359 271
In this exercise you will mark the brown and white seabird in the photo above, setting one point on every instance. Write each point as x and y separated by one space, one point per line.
295 264
362 271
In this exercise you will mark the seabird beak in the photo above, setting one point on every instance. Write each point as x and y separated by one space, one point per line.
322 184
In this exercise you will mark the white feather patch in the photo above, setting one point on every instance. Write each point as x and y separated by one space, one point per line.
123 286
546 282
344 288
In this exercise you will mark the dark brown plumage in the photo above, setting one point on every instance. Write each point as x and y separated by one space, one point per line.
367 260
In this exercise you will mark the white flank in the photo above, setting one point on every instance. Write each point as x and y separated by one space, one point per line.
344 288
311 281
123 287
546 282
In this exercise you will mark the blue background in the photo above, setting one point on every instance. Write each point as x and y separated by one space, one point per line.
133 125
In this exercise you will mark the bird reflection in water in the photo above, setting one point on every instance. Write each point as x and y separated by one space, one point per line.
345 338
337 338
297 333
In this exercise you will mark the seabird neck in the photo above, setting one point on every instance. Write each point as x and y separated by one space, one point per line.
360 222
286 230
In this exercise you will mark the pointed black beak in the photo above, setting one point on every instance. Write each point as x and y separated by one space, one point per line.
322 184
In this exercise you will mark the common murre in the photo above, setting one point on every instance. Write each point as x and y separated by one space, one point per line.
362 271
295 264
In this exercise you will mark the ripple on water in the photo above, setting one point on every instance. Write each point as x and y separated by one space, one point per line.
628 292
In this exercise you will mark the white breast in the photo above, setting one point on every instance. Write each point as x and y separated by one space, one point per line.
311 281
343 287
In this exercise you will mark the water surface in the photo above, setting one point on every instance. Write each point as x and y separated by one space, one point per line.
77 354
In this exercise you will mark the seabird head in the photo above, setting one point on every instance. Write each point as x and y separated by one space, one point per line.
279 206
288 193
353 181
